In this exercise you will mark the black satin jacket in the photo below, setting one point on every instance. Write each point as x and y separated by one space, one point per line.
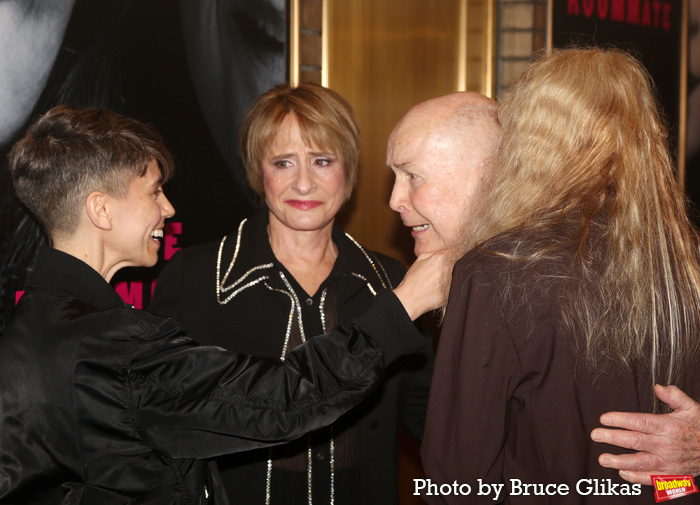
102 403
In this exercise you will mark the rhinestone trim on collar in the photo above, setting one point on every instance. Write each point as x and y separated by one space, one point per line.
237 288
220 283
372 263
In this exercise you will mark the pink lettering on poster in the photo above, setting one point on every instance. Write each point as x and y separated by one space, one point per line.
654 14
172 230
131 293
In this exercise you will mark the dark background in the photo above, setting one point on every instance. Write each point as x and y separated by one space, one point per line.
129 56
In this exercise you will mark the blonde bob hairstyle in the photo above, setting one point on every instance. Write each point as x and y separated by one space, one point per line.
325 118
584 148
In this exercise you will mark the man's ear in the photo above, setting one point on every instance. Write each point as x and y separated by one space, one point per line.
96 207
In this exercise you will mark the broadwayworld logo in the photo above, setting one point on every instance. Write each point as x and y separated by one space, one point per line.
668 487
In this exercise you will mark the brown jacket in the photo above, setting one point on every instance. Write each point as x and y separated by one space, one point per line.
511 402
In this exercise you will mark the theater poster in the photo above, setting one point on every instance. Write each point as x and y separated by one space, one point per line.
189 67
660 33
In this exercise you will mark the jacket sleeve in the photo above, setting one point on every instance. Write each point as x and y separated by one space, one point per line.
198 402
417 369
415 388
477 370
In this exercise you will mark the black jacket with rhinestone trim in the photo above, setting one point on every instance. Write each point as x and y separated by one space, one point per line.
258 296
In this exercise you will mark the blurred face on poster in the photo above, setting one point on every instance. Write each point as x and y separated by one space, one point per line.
236 51
31 32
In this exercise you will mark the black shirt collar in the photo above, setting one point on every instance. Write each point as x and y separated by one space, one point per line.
256 250
69 274
350 258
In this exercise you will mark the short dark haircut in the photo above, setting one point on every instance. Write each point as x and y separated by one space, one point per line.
70 152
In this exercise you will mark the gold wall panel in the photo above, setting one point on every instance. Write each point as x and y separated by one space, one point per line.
384 57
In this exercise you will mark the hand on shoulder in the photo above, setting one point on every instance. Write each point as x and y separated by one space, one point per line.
667 444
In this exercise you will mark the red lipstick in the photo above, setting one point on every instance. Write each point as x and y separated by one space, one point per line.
303 204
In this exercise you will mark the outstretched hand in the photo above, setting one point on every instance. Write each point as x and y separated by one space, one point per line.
667 444
426 283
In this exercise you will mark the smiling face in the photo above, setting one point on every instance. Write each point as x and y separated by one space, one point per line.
138 220
439 168
304 184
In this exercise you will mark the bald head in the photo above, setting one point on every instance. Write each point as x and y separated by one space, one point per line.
439 152
471 119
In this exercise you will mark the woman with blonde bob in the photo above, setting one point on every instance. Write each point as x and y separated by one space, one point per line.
584 291
289 272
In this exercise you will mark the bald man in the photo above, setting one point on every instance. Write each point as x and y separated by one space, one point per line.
442 154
